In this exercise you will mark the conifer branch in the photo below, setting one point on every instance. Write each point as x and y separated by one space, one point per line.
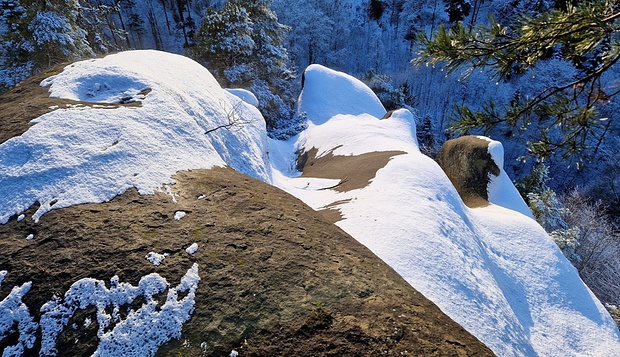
570 109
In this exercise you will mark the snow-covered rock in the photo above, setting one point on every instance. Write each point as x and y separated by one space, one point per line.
245 95
501 190
492 269
91 154
327 93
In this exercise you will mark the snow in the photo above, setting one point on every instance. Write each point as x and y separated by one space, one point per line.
137 333
145 329
192 249
337 93
245 95
179 215
501 190
156 258
493 269
141 332
13 312
91 154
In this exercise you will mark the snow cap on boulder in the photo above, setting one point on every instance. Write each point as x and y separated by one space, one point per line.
501 190
327 93
407 116
91 153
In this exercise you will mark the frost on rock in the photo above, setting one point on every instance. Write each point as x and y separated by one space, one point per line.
14 313
141 332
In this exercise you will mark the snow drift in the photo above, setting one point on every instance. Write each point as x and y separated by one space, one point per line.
493 270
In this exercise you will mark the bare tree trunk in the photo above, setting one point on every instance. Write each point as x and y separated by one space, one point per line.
182 20
120 17
154 28
163 4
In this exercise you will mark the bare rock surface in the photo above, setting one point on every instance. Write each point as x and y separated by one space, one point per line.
467 163
276 278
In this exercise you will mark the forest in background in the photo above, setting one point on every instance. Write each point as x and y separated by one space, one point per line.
264 45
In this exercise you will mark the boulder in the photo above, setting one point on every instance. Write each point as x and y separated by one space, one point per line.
468 164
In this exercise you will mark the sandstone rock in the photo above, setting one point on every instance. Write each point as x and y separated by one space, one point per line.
467 163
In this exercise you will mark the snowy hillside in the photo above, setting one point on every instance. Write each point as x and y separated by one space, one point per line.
493 270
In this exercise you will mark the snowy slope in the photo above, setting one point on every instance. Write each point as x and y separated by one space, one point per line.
494 270
91 153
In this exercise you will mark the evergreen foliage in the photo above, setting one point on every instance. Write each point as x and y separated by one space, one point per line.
392 96
15 48
457 10
566 116
36 34
542 200
242 45
376 9
426 137
224 42
57 38
41 34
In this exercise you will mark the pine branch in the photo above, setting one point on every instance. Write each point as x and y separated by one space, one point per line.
570 108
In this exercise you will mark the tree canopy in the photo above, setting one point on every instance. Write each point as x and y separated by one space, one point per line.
242 44
567 115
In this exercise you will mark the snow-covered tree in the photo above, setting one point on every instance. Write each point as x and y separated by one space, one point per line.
581 228
425 133
598 245
224 43
457 9
242 44
40 34
15 47
57 39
